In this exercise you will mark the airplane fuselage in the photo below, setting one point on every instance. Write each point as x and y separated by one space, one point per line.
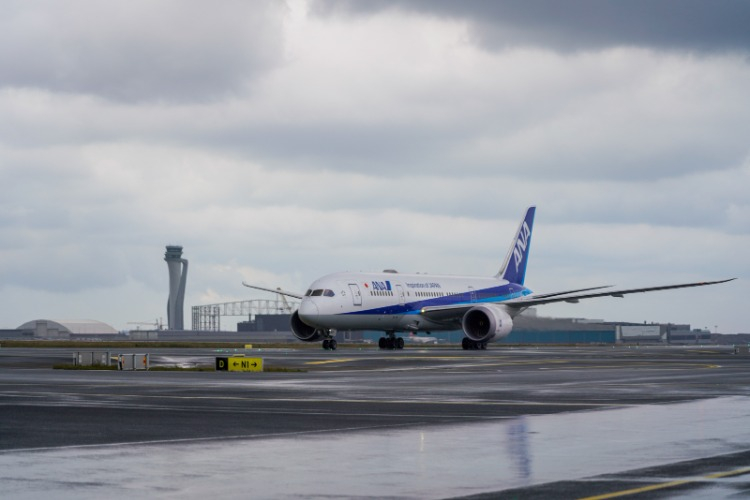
392 301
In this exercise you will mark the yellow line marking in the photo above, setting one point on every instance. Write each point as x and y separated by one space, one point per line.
670 484
637 490
736 472
327 361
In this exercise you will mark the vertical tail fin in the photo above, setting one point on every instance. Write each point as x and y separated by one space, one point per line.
514 267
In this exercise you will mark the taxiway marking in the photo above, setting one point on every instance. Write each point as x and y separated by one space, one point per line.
669 484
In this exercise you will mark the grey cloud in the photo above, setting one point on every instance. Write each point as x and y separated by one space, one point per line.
61 231
391 150
693 25
560 153
139 51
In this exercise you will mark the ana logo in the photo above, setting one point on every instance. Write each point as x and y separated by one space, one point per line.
381 285
521 243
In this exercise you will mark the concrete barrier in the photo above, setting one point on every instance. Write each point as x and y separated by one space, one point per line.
91 358
133 362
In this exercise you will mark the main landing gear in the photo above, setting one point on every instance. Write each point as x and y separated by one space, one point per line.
329 344
469 344
390 341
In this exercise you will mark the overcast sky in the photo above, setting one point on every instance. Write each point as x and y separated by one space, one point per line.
278 142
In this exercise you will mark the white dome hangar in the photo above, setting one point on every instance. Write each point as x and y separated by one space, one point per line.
63 329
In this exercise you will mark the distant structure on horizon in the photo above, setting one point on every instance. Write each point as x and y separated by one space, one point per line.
178 268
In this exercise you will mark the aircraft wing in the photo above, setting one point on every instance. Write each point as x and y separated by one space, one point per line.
555 294
274 290
450 313
453 313
456 311
567 297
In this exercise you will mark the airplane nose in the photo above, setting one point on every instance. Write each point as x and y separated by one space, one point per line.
308 310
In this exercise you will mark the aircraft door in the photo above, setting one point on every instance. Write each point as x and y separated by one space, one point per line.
356 295
400 292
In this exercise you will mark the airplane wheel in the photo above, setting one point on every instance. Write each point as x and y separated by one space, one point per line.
332 344
382 343
390 342
326 344
484 346
399 343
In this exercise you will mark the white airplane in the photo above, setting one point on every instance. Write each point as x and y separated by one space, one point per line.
413 338
483 307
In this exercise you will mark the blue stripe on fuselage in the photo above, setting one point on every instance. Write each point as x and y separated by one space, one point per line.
493 294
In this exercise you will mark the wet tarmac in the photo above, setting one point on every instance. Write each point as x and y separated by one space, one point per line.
530 423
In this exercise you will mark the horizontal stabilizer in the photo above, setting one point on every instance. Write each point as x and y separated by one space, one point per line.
274 290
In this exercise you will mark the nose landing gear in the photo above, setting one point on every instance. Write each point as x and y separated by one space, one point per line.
329 342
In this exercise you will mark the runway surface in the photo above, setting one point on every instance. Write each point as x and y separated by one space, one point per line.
364 423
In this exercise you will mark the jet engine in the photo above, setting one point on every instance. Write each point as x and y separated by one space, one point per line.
485 322
303 331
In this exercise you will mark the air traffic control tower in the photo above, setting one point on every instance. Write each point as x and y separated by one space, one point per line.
178 268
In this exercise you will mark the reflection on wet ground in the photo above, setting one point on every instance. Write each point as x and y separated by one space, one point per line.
415 462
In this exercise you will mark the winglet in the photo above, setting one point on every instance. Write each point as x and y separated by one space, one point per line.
514 267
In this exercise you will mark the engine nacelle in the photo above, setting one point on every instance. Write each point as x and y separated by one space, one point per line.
485 322
303 331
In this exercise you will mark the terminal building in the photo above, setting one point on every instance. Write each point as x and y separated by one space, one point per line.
268 321
527 329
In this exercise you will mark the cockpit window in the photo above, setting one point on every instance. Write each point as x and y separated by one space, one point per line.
317 293
321 292
308 293
328 293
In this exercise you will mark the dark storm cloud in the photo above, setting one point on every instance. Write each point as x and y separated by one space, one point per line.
138 51
693 25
